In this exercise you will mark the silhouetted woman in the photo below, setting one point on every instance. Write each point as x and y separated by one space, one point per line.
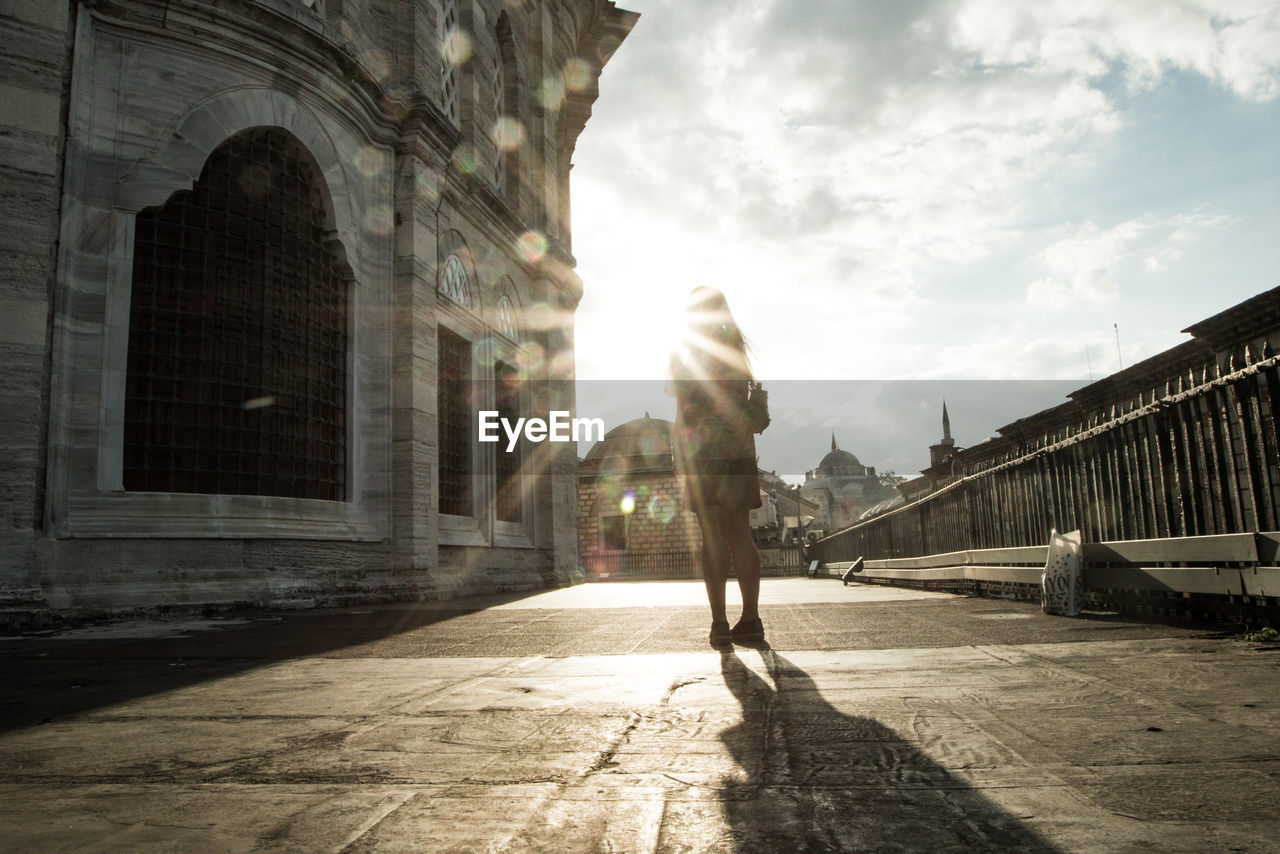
715 457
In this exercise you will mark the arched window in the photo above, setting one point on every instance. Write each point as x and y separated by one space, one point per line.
237 365
499 77
508 132
450 34
453 282
455 390
508 464
505 318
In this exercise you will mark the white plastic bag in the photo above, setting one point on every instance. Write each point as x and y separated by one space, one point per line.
1062 584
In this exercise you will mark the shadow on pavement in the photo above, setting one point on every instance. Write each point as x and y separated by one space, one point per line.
821 780
45 679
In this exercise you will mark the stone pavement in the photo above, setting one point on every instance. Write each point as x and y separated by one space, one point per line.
597 719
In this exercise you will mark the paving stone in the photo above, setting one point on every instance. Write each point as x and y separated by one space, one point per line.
369 730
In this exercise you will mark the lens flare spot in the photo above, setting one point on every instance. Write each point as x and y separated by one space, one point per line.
370 161
483 351
254 181
531 245
380 219
551 92
530 356
258 403
653 445
430 181
466 159
508 134
378 63
661 508
455 47
577 75
628 502
562 364
540 316
509 380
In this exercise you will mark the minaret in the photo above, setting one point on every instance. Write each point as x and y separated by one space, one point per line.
944 450
833 440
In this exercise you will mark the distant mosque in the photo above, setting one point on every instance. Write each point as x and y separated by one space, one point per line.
842 487
946 449
847 492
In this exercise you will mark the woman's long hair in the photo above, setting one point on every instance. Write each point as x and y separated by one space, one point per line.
712 337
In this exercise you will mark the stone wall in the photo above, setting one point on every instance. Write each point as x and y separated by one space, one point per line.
657 525
35 52
142 91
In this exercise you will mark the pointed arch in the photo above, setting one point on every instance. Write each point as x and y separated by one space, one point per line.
509 129
451 39
236 380
177 162
507 311
456 277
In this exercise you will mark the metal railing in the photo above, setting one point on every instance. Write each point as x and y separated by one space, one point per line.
1198 460
1218 575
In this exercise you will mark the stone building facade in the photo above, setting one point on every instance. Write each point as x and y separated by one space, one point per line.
263 260
784 515
631 512
842 487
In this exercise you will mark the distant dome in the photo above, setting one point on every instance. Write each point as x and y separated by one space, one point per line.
883 507
838 459
644 443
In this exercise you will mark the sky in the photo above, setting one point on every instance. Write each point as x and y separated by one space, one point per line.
983 200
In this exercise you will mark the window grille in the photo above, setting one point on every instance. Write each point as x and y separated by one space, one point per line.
453 281
237 366
506 317
454 423
507 470
508 131
449 30
499 109
613 533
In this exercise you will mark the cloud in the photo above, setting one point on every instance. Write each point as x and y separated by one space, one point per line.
857 131
1083 267
1234 43
844 163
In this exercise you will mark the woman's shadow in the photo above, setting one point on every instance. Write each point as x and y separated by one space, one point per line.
820 780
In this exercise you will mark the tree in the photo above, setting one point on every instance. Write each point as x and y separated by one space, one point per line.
889 482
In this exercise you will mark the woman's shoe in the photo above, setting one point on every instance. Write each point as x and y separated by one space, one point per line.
720 634
747 631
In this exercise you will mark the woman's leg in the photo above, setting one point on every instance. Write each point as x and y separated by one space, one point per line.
746 560
715 558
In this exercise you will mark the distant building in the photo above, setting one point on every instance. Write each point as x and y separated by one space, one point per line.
785 516
941 456
842 488
632 516
631 513
944 450
1180 444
